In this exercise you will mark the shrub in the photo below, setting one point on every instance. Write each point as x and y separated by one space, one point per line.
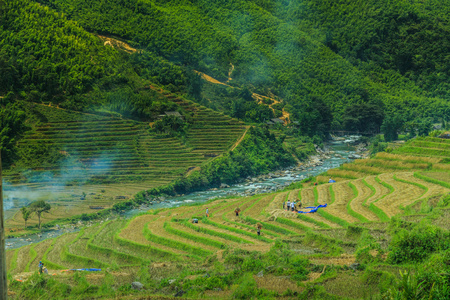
252 264
417 244
248 289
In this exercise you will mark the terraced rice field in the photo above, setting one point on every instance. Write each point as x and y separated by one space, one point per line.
99 149
168 236
421 154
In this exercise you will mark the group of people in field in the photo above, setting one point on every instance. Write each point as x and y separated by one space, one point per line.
42 269
292 206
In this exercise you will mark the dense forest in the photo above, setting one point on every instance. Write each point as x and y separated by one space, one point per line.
334 64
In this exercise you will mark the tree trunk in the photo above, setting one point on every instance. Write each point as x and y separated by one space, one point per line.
3 279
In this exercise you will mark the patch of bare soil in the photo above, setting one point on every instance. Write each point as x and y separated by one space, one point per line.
107 41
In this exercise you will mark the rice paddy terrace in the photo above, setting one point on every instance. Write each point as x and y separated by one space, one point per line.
97 154
101 149
407 183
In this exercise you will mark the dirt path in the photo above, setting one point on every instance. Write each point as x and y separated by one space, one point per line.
230 71
240 139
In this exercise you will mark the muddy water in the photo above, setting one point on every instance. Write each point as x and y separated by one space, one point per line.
339 155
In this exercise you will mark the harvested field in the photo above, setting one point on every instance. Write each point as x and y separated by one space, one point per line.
442 176
358 204
168 243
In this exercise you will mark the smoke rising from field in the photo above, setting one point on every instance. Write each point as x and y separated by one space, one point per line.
72 174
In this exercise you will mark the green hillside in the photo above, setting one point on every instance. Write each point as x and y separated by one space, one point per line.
329 70
91 148
373 227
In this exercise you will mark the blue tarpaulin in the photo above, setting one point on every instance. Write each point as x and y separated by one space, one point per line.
313 209
86 269
331 181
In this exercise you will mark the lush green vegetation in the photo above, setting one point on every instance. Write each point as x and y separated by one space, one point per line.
331 70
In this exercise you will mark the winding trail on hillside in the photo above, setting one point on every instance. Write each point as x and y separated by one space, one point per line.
240 139
257 97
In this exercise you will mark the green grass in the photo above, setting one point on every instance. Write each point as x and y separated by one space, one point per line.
111 252
388 186
375 209
332 195
33 255
48 263
316 196
197 252
195 238
364 203
144 248
78 259
379 212
333 218
14 258
422 151
430 144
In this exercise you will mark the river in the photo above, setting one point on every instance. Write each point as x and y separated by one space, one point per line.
337 153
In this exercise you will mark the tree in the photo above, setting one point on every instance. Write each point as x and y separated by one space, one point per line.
170 125
390 127
40 207
194 83
26 214
424 128
363 117
2 10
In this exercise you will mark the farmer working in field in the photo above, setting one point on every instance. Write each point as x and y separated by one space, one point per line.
288 205
41 266
207 212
